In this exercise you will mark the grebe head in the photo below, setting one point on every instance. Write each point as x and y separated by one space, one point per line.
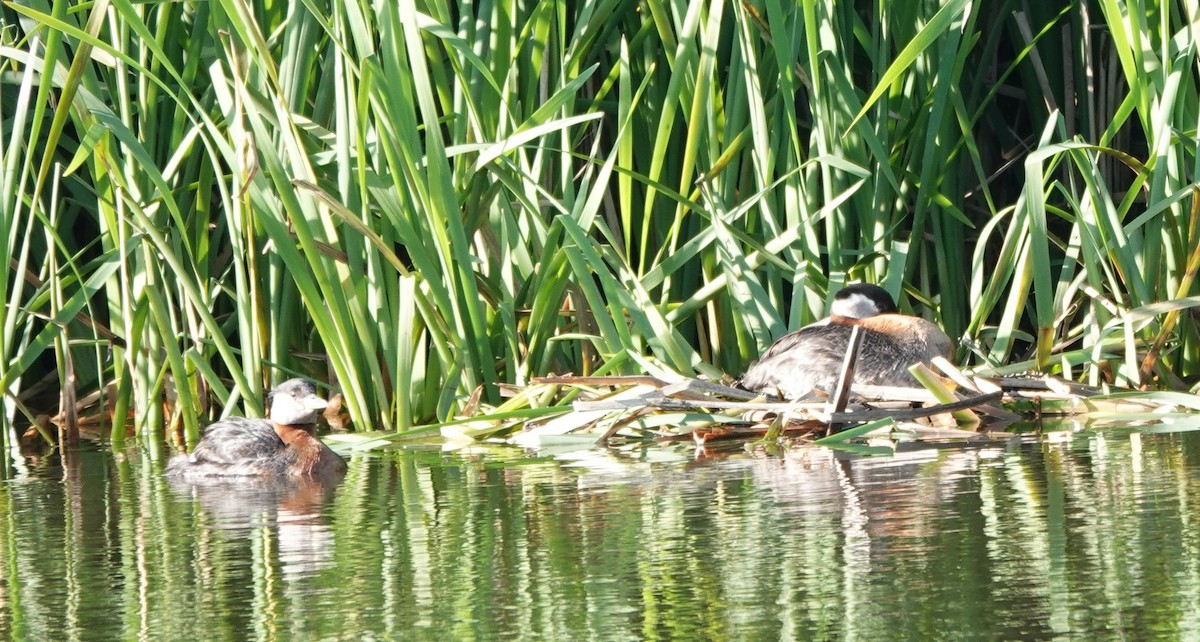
862 300
295 402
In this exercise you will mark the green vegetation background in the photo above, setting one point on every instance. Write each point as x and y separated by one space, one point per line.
420 200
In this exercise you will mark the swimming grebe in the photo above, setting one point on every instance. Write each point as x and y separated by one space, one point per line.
281 446
811 357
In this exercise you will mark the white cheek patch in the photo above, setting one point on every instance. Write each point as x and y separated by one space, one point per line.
855 306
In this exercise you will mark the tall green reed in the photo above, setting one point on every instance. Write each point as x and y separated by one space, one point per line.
420 201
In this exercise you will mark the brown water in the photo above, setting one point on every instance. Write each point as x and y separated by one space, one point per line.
1088 534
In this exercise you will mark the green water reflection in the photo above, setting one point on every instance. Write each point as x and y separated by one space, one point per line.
1090 534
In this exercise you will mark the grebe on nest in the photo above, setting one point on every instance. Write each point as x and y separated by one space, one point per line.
281 446
811 357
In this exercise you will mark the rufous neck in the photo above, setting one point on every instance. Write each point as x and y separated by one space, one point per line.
290 433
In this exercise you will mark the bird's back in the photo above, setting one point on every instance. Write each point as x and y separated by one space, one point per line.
811 357
235 446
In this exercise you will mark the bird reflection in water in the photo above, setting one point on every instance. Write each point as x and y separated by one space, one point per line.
292 506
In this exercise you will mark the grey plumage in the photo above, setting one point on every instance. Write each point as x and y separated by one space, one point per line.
239 446
811 357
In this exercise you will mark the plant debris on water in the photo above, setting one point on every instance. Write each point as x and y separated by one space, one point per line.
606 408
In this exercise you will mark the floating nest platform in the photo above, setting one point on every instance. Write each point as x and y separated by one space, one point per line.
951 405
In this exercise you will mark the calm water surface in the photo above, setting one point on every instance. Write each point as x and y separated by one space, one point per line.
1073 535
